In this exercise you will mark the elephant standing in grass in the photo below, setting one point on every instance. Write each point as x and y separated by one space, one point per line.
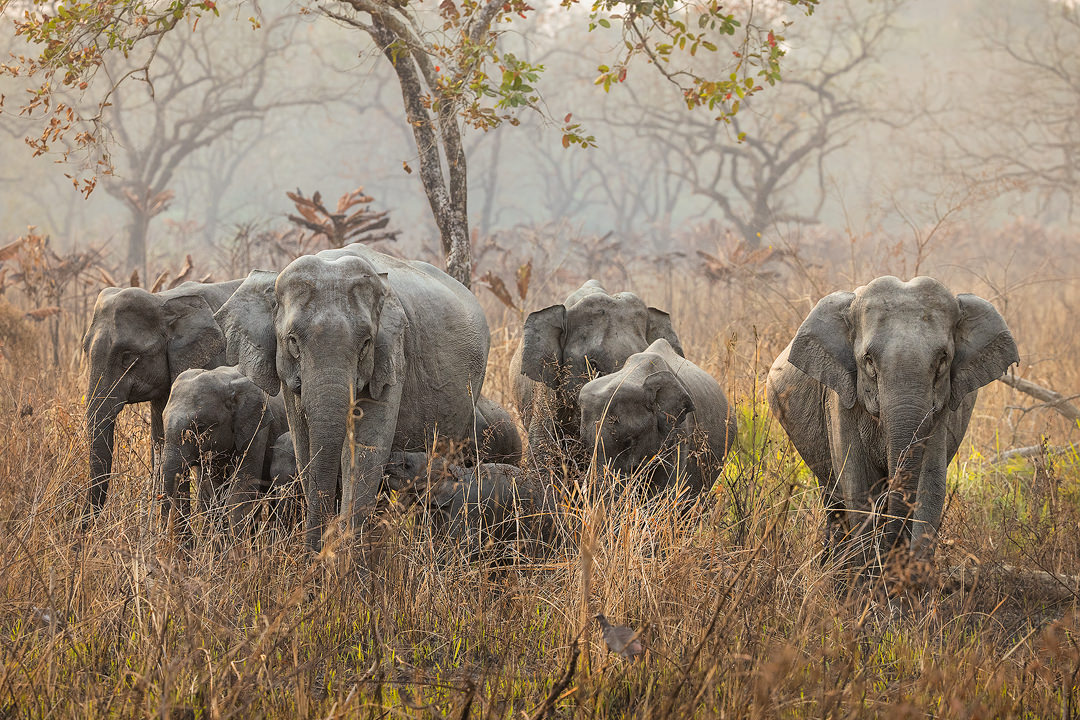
564 346
876 391
221 422
660 420
137 344
372 353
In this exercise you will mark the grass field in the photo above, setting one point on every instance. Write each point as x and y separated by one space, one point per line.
740 617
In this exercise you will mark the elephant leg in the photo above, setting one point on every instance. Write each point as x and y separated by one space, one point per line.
855 473
366 451
157 438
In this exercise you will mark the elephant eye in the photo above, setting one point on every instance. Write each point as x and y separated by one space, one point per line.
868 362
943 363
293 346
365 347
129 358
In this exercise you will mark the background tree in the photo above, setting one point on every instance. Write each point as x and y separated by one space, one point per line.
449 64
198 92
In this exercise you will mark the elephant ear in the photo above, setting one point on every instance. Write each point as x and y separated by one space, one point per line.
541 344
250 412
247 319
667 399
389 347
822 346
984 348
194 338
659 326
104 295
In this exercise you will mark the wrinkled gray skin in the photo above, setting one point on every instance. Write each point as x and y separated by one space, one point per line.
481 507
880 383
662 416
285 501
497 433
564 346
372 353
221 422
137 344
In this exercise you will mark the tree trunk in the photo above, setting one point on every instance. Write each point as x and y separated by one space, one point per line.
137 234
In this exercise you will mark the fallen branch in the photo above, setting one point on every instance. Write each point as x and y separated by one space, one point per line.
1052 398
1031 451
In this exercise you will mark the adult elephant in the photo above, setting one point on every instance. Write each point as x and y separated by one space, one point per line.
372 354
564 346
138 343
876 391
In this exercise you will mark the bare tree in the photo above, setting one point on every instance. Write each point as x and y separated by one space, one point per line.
1021 129
767 166
201 89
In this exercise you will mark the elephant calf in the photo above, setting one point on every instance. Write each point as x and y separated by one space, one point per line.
221 422
876 391
662 419
487 509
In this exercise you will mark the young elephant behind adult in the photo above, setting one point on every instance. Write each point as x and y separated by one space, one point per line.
492 509
221 422
137 344
497 433
566 345
876 391
285 494
661 416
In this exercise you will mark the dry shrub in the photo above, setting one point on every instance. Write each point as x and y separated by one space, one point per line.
739 616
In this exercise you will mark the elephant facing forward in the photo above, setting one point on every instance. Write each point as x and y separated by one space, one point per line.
220 422
876 391
137 344
372 353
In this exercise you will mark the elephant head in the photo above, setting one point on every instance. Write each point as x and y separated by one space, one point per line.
137 344
591 334
329 334
218 418
907 353
627 418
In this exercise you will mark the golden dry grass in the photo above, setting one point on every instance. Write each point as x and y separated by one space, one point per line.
740 618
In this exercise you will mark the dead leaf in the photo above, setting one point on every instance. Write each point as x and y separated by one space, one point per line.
11 249
498 288
134 280
524 274
159 281
43 312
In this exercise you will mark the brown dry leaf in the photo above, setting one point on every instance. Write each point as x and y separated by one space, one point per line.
43 312
106 277
524 275
134 279
159 281
11 249
498 287
209 277
185 271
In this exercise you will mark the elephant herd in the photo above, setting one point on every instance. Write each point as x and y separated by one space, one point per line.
346 368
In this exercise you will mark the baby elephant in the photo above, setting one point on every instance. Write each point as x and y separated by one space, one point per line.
221 422
661 416
489 509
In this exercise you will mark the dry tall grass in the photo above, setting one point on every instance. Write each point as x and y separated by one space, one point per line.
739 616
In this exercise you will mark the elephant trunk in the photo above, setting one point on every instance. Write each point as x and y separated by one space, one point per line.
326 402
101 429
173 469
907 427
